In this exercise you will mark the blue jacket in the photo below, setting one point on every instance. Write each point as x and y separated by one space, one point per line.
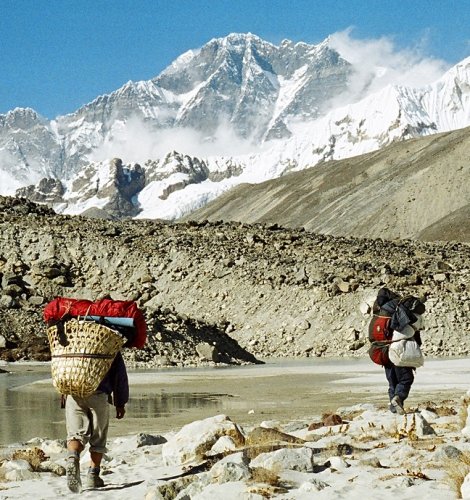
115 382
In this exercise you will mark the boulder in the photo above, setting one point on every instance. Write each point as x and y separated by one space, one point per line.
299 459
229 471
7 301
194 440
18 470
49 466
423 427
266 435
143 439
465 488
331 419
444 453
207 352
338 463
223 444
163 490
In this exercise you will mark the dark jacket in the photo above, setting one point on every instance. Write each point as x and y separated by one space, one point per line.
400 310
116 382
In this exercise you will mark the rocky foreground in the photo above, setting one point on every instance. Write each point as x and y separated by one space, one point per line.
223 292
357 452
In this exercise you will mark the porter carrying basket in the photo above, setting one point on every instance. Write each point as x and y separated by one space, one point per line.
81 355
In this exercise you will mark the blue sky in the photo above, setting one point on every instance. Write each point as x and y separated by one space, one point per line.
56 55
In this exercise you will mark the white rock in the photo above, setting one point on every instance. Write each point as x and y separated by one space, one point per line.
229 472
338 463
465 488
271 424
18 464
207 352
197 438
300 459
402 454
423 427
52 447
367 416
445 421
223 444
227 491
466 429
313 486
18 470
430 416
236 458
446 452
21 475
195 487
154 493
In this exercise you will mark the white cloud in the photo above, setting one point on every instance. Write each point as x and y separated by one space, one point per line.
134 141
379 62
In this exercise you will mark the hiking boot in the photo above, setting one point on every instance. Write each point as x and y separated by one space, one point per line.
392 408
397 403
93 479
72 470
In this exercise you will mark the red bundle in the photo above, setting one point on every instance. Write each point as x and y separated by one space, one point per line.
62 307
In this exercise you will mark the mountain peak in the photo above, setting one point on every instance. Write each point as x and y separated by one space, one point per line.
234 94
238 42
22 118
24 112
236 38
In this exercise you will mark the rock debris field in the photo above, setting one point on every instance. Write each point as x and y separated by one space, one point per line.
223 292
357 452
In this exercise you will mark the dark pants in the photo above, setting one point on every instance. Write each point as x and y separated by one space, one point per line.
400 379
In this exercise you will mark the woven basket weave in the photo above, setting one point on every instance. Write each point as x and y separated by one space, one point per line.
79 367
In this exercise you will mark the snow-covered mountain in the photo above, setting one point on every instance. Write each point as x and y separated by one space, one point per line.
233 95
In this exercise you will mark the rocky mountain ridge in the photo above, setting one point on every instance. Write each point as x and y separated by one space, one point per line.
227 292
238 80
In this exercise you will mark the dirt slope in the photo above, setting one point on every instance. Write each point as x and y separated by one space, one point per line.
418 189
239 290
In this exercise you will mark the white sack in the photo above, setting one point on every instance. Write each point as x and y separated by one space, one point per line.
405 352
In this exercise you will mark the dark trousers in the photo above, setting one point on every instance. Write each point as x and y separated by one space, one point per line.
400 379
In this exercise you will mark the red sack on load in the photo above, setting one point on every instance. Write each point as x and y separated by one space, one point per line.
380 336
62 306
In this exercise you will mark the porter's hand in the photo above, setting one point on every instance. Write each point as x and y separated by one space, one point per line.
120 412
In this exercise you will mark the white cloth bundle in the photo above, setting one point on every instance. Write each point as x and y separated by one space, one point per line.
404 350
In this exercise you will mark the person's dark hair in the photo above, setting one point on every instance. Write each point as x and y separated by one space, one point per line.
384 295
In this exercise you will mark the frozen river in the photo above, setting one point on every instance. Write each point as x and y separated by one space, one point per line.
169 398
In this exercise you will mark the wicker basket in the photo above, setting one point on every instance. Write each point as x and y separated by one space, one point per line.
79 367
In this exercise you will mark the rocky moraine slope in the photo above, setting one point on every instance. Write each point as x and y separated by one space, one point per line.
227 292
415 189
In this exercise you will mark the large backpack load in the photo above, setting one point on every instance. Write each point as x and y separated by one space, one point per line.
121 315
390 313
84 338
